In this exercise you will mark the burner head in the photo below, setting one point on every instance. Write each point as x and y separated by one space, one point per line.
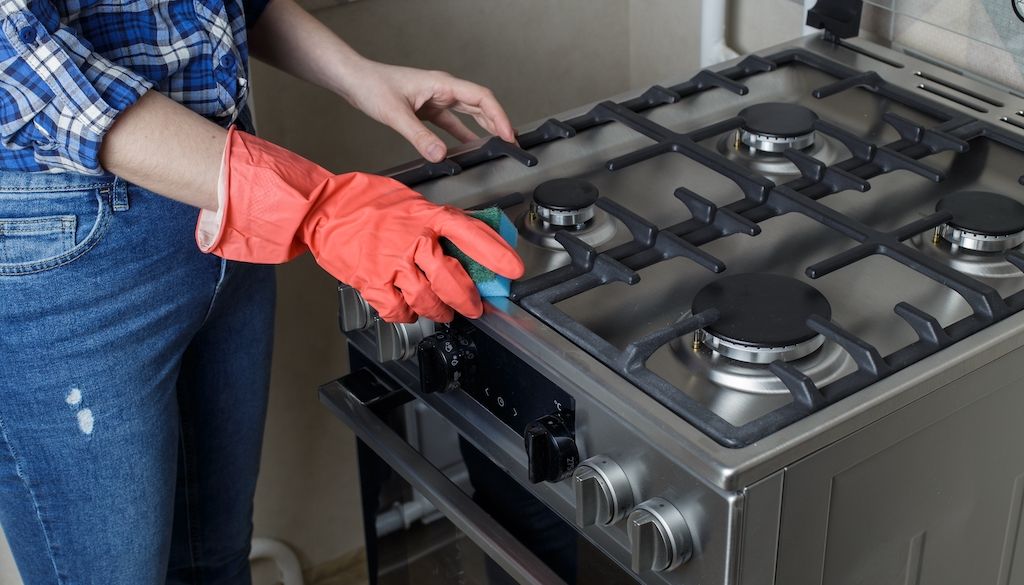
565 202
982 221
775 127
762 317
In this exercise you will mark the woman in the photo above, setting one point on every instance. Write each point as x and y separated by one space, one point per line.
133 363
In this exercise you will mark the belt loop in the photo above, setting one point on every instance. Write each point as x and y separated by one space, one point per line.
119 197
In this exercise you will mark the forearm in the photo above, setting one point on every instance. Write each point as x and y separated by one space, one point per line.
292 40
163 146
289 38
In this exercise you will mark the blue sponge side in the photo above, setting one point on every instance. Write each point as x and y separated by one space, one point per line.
496 285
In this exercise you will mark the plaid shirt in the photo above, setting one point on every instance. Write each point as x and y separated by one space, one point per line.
69 67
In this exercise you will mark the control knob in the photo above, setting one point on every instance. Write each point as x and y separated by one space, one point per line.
448 361
397 341
354 313
551 449
603 492
659 537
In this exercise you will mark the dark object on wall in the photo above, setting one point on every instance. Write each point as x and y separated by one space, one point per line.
839 18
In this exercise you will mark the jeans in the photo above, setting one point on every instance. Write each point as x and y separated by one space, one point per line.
133 387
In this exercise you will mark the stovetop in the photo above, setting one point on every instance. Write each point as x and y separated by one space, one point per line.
694 187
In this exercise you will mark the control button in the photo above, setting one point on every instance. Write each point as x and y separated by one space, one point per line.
448 361
551 449
354 313
227 61
397 341
603 492
659 537
27 35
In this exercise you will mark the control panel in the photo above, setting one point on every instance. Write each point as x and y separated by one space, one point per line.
461 358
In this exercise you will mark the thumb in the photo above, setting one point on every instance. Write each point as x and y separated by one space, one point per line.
426 142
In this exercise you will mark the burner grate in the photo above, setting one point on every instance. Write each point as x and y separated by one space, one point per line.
762 199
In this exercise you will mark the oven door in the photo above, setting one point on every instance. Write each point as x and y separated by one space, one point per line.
470 544
358 400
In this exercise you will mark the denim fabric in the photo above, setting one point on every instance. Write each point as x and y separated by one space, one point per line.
133 387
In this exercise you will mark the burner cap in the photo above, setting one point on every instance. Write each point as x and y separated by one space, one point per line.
762 310
778 119
565 202
985 213
982 221
774 127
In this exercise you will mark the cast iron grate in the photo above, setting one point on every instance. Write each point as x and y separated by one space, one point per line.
762 199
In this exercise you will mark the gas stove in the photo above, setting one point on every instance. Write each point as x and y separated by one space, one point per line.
768 312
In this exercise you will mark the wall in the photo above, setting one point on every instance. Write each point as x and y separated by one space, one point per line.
664 41
987 37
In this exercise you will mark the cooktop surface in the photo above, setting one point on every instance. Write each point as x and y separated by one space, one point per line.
754 244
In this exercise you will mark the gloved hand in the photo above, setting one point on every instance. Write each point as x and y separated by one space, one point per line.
370 232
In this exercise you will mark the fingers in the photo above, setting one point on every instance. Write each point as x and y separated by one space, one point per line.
410 297
389 304
436 284
405 122
482 244
447 92
419 293
448 279
451 124
479 102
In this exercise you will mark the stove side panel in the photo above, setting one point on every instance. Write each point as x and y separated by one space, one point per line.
760 511
930 494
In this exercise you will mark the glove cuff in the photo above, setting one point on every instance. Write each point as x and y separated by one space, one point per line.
264 194
210 225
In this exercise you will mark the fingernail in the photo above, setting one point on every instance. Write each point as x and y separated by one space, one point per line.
436 152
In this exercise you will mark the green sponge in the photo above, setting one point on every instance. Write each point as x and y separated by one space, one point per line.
487 282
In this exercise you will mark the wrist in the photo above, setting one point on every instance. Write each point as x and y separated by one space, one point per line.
349 71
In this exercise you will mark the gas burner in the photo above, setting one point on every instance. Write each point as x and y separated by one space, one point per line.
566 205
565 202
826 364
770 129
775 127
762 317
982 221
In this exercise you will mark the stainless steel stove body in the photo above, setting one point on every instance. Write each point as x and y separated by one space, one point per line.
885 448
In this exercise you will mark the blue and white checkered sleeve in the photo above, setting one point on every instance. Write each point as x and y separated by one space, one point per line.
57 97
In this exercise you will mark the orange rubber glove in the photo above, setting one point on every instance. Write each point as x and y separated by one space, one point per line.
370 232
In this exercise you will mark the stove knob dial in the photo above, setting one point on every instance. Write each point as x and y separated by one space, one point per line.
354 314
603 493
551 449
397 341
448 361
659 537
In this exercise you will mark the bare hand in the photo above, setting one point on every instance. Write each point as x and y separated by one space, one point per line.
402 98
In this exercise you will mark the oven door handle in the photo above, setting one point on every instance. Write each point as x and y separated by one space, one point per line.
340 396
